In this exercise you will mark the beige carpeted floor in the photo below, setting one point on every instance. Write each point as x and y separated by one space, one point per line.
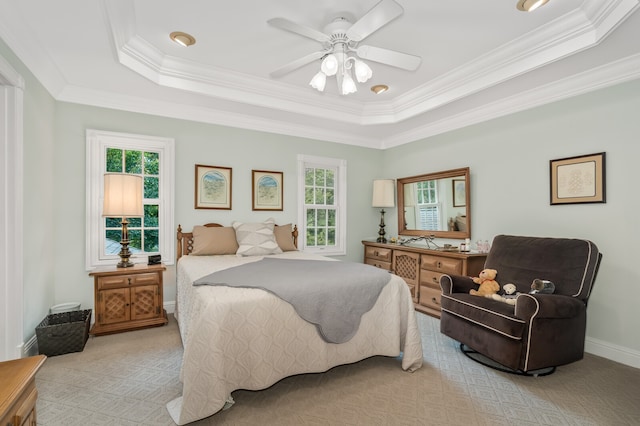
127 378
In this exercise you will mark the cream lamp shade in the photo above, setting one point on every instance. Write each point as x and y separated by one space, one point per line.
383 194
122 195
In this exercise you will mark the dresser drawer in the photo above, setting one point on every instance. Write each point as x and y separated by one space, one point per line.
430 296
445 265
431 278
119 281
378 264
378 253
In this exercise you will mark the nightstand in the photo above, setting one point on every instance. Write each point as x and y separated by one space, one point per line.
128 298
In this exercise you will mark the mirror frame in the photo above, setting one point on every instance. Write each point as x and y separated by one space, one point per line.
463 172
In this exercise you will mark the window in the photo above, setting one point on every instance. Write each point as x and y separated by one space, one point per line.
322 189
152 159
428 205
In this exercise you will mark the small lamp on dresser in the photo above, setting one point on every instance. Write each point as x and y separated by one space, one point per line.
383 196
123 198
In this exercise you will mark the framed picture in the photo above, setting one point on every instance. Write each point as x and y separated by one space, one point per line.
213 187
578 179
459 193
266 192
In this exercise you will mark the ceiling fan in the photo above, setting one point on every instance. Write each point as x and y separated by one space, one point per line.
341 51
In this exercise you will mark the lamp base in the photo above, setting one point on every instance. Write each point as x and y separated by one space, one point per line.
381 232
125 253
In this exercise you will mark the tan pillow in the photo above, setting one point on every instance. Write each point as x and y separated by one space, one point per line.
218 240
284 238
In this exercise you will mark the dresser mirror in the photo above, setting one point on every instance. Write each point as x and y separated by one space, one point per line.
435 204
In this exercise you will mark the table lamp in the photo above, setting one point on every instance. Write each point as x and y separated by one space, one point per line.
383 196
123 198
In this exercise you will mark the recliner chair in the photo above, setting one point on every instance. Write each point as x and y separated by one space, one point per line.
539 332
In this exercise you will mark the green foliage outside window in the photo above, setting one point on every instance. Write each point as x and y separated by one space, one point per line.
144 231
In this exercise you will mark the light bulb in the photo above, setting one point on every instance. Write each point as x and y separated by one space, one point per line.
348 85
318 81
363 71
329 65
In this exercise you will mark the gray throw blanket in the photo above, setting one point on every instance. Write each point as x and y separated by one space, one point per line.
331 295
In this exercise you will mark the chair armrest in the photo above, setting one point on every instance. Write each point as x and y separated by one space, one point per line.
548 306
456 284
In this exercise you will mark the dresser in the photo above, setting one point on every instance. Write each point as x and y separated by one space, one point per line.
128 298
18 393
421 269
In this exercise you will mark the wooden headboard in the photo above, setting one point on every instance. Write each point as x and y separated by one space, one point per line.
185 239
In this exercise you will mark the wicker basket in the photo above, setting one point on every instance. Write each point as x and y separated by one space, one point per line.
63 333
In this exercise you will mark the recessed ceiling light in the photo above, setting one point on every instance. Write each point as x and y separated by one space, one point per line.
379 88
530 5
183 39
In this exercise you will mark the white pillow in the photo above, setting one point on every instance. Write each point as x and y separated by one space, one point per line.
256 239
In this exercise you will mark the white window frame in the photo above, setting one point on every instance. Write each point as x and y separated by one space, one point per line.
340 197
97 142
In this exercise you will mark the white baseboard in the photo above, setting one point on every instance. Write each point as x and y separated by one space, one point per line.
170 306
30 348
613 352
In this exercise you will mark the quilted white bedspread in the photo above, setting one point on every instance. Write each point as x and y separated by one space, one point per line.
237 338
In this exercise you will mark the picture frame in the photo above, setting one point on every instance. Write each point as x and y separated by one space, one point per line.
577 180
266 190
213 187
459 192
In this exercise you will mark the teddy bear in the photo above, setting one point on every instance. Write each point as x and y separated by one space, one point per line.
488 284
510 295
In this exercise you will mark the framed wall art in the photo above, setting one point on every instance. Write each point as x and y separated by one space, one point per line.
579 179
459 193
213 187
266 192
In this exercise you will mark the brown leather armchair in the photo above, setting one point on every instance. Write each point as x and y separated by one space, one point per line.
539 332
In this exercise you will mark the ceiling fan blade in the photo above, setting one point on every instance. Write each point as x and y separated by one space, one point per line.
389 57
287 25
298 63
380 15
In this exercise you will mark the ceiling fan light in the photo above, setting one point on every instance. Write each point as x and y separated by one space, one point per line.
348 85
319 81
329 65
363 71
530 5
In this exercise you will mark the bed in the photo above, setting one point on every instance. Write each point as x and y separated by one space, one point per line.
248 338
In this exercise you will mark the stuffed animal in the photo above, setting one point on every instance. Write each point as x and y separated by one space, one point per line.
539 286
510 295
488 284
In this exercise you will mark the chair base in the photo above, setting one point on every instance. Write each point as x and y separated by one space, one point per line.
481 359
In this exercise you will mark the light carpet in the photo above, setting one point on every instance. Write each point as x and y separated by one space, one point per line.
127 378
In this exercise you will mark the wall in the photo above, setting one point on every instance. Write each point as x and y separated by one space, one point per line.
509 162
196 143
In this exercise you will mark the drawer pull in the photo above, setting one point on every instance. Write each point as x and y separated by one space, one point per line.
434 301
129 280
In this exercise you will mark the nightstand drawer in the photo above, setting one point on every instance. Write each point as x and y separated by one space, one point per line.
441 264
119 281
378 253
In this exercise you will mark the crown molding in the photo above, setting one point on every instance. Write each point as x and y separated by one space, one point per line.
617 72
